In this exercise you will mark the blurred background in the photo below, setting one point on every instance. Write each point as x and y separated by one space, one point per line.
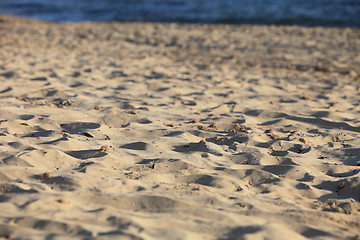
338 13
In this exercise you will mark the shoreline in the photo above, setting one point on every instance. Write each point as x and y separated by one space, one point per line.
156 131
13 18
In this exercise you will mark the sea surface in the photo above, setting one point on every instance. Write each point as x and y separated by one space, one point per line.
338 13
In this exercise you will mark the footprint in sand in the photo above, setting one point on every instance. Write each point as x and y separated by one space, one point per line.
135 146
79 127
201 146
86 154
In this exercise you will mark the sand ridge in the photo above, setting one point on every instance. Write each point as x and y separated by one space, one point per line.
166 131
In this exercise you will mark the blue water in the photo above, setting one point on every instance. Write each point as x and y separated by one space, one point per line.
339 13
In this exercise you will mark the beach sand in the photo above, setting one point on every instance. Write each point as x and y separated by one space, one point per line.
166 131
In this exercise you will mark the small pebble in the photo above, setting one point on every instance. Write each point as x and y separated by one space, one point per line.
205 155
45 176
104 148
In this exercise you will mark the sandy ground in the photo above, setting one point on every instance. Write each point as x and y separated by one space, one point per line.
151 131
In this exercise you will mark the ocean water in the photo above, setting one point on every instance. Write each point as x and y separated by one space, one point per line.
339 13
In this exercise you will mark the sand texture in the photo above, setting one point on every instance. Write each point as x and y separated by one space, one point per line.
152 131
